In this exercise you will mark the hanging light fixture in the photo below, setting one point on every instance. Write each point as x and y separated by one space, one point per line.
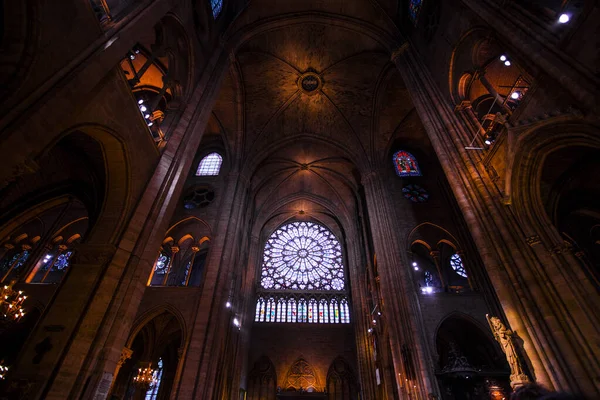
11 303
3 371
145 377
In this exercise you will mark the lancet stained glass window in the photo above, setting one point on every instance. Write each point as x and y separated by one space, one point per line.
457 265
210 165
302 255
406 164
414 7
216 6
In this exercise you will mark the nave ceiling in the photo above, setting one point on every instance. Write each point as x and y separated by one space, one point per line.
295 143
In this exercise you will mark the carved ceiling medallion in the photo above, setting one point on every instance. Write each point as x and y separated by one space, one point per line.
310 83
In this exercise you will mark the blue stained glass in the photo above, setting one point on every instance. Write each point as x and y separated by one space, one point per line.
406 164
14 262
428 279
216 6
457 265
414 7
62 261
152 392
161 264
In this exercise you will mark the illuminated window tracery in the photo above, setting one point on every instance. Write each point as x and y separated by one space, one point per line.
457 265
302 277
216 6
406 164
305 256
210 165
414 7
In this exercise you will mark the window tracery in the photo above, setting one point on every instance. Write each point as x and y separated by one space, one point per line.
216 6
302 255
210 165
406 164
414 8
302 278
53 265
457 265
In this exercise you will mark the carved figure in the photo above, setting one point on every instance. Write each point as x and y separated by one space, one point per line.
505 338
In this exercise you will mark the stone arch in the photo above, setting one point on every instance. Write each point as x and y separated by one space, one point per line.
532 149
159 334
341 381
262 380
468 355
301 375
109 215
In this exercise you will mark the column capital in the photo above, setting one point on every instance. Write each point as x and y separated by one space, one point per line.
399 51
126 354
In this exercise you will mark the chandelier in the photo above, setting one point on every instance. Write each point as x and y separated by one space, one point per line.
3 370
145 377
11 303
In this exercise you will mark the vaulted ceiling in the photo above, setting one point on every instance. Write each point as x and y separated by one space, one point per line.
311 144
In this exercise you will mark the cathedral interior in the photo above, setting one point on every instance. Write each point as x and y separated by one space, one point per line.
301 199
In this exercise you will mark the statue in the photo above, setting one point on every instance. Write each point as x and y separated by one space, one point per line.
505 338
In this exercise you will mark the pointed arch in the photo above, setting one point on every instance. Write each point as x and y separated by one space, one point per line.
341 381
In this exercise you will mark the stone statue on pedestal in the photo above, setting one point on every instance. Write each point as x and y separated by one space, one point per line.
506 339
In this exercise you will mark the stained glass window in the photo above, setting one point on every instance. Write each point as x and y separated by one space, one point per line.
302 255
62 261
291 310
415 193
10 265
428 279
457 265
259 303
406 164
281 314
303 275
302 310
312 311
414 7
323 314
210 165
344 311
161 268
216 6
152 392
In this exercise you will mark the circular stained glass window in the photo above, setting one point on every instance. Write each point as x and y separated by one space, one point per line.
415 193
198 198
302 256
457 265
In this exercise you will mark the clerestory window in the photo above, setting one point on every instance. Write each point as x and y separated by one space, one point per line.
210 165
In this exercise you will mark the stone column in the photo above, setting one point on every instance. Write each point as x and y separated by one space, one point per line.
554 322
435 255
213 331
399 297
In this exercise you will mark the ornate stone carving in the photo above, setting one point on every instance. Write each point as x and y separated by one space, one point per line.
506 339
126 354
310 82
533 240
